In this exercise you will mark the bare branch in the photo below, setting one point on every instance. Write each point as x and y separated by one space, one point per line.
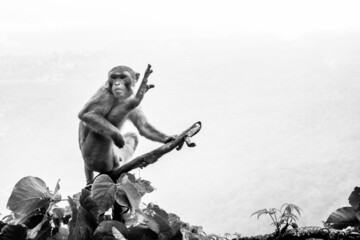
133 102
153 156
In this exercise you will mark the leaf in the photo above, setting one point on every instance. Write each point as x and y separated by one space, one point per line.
162 213
144 186
290 215
57 187
76 198
354 198
157 220
57 216
45 231
105 230
32 233
134 219
117 234
29 194
260 212
274 211
103 190
132 192
56 195
342 218
8 218
294 225
121 198
142 233
62 234
84 219
187 235
14 232
289 207
58 212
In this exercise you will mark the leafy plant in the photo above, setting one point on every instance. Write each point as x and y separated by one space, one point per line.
282 218
35 214
31 203
346 216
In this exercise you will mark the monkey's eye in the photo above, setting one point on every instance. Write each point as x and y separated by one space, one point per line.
116 76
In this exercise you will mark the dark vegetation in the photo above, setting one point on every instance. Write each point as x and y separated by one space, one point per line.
113 210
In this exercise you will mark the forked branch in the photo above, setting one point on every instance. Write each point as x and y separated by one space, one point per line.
133 102
153 156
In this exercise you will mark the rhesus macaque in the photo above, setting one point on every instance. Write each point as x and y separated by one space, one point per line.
102 145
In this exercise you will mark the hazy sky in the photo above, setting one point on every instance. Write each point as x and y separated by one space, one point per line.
275 83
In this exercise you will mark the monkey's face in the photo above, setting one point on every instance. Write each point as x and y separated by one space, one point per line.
121 83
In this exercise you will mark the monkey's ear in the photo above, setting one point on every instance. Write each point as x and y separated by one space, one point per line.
137 76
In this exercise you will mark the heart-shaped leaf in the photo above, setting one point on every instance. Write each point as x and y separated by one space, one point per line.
132 192
103 191
342 218
29 194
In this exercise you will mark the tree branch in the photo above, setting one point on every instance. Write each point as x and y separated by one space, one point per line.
133 102
153 156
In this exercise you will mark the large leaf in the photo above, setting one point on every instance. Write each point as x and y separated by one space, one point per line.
84 219
121 198
132 192
354 199
156 216
144 186
342 218
103 190
29 194
14 232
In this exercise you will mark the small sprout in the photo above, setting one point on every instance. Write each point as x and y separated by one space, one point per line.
282 218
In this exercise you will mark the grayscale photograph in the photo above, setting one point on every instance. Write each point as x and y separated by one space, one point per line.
180 120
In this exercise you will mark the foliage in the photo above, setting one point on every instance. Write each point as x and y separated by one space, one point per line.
346 216
282 218
35 214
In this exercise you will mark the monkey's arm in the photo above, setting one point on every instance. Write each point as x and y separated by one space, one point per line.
94 111
138 118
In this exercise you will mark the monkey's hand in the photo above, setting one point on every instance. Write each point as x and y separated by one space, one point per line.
118 140
170 138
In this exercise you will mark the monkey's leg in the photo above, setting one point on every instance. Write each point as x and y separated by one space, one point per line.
89 174
126 153
97 152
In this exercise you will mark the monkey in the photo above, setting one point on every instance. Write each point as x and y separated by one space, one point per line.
102 145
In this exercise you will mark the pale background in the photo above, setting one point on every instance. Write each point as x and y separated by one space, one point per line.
275 84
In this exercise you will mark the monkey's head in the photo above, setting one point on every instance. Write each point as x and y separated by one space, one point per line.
121 81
